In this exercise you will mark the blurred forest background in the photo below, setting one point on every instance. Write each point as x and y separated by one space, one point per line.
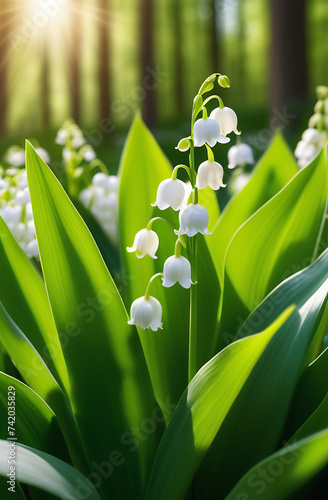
101 60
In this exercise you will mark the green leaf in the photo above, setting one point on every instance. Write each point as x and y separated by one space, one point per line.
110 388
30 310
279 238
30 408
311 389
264 402
142 168
274 170
36 468
284 472
36 373
201 411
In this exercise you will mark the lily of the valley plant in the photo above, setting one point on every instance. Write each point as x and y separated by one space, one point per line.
206 375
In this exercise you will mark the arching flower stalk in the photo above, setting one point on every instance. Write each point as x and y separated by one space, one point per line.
172 193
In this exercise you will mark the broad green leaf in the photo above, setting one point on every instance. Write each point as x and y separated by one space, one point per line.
28 409
111 392
285 472
201 411
280 236
207 198
263 404
23 295
36 468
274 170
311 389
36 373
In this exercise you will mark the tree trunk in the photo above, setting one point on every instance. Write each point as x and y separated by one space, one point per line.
6 20
214 38
176 16
104 62
288 70
147 60
45 88
74 62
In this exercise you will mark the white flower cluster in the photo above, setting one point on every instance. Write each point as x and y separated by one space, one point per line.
310 146
16 211
316 135
146 311
75 145
101 198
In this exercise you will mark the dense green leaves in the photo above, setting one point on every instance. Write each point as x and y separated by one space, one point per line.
30 308
46 436
263 403
279 239
284 472
110 388
201 411
36 468
274 170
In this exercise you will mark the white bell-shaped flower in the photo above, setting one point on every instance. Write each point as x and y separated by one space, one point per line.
227 119
210 173
177 269
193 219
145 243
239 155
208 131
146 313
170 193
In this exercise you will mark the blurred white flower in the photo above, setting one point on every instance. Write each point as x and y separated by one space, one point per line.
193 219
239 181
146 313
177 269
16 157
89 155
210 173
208 131
227 119
62 136
145 243
17 214
170 193
67 155
44 154
310 146
240 155
101 198
78 140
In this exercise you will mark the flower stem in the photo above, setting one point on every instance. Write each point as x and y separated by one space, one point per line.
150 282
192 358
192 364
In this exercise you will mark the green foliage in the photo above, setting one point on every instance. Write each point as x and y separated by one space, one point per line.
112 402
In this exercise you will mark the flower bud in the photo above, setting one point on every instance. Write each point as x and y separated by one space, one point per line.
184 144
223 81
146 313
227 119
210 173
193 219
208 131
145 243
170 193
177 269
